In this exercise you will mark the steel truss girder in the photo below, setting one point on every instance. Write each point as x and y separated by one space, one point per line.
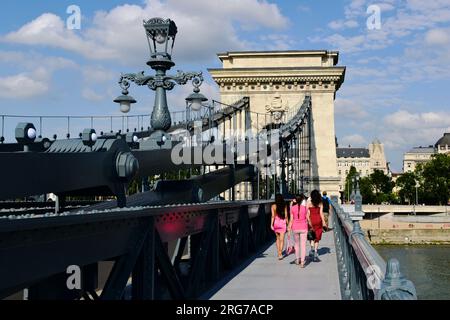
32 250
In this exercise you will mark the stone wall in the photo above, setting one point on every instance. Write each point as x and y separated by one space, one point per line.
408 236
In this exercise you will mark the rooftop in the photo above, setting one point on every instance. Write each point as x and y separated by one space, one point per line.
428 149
352 153
444 140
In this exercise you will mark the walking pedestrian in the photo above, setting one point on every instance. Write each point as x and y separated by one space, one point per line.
298 224
279 222
316 222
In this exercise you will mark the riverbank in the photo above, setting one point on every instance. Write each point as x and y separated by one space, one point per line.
387 231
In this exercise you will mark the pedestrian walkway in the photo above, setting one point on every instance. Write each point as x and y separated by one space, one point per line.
267 278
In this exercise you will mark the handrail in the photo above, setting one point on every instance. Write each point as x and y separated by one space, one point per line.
363 273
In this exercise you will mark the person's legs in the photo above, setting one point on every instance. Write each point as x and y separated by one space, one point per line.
316 246
278 244
311 250
303 247
316 254
297 245
281 243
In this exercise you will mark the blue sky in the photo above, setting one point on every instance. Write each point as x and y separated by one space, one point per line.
397 80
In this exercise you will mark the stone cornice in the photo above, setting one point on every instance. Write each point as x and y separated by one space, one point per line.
279 75
255 75
276 79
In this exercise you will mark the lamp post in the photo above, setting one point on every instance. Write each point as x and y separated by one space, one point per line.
358 214
417 197
348 190
301 181
195 101
352 195
161 35
417 193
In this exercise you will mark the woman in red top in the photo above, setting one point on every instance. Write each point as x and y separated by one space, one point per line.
316 220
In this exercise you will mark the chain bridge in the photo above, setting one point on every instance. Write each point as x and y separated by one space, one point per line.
177 205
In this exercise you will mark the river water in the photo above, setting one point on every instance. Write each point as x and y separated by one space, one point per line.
427 266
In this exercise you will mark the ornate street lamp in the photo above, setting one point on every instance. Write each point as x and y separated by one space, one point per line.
161 38
195 100
124 100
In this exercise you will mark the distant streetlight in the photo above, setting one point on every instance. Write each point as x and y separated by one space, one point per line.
417 192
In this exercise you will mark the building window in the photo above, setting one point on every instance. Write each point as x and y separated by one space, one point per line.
409 165
340 172
346 171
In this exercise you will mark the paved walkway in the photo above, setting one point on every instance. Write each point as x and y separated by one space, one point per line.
267 278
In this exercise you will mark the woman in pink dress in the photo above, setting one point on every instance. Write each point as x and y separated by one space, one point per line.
279 222
298 224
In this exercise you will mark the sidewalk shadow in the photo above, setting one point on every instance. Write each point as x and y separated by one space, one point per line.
323 250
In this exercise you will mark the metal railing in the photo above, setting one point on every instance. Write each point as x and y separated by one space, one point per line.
363 273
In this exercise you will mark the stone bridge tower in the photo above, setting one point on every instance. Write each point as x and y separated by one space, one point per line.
280 80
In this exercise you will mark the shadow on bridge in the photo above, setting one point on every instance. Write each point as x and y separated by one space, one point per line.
264 277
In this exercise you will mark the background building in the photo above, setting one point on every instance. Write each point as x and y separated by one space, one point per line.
365 160
423 154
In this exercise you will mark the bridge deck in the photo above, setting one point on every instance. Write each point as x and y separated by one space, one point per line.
267 278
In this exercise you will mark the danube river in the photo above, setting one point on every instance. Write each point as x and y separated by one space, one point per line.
427 266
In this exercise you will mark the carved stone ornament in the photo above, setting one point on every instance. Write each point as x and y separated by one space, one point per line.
277 108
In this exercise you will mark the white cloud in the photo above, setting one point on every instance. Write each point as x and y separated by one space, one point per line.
98 74
354 140
343 24
91 95
32 60
407 120
205 28
405 129
350 109
277 42
33 76
22 86
438 37
406 18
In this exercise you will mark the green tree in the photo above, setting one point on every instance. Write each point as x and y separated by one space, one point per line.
435 180
366 189
407 185
382 186
349 183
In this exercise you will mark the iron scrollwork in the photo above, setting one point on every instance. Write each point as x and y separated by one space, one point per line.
167 82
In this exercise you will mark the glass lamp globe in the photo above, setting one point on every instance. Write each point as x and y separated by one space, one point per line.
160 38
125 106
196 105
